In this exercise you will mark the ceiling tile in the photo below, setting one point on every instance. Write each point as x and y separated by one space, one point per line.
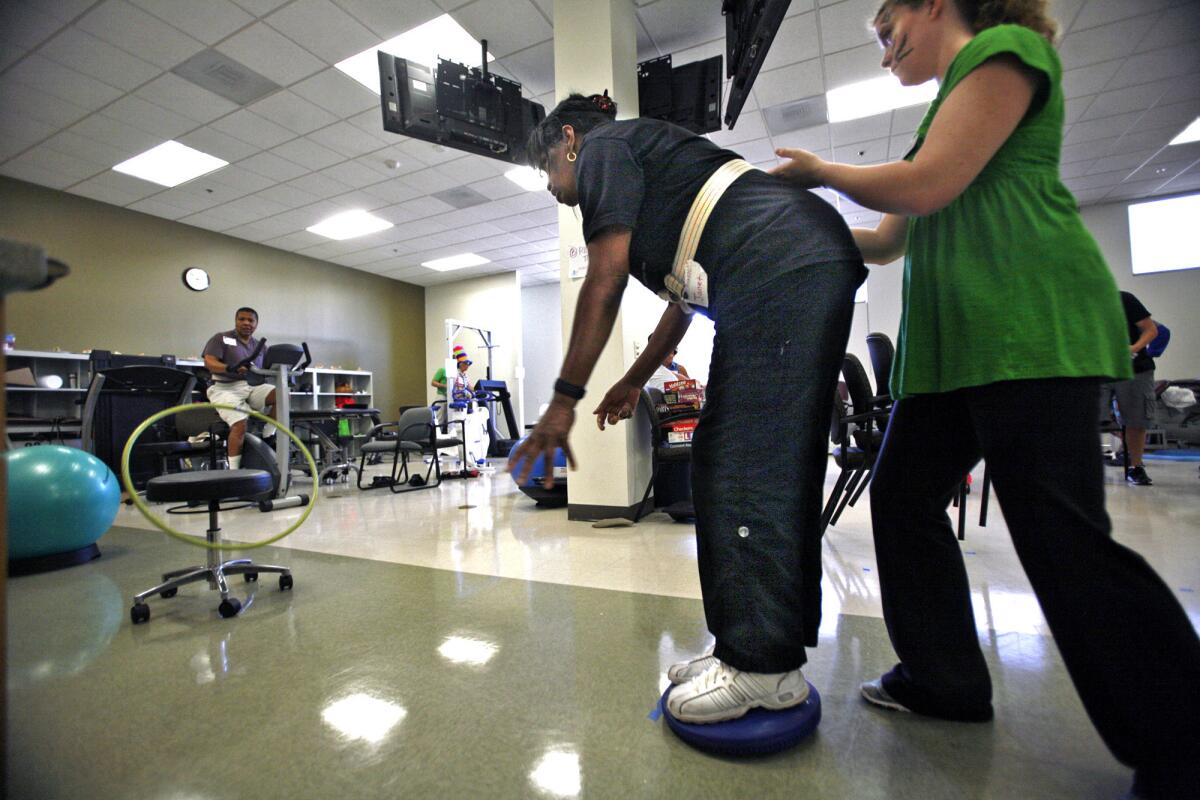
1085 151
496 188
795 41
873 152
348 140
393 192
333 91
34 103
1100 129
508 25
272 166
288 196
1173 62
158 208
354 175
210 21
1102 44
1101 12
322 28
387 18
211 141
861 130
85 53
295 241
675 24
271 54
292 112
62 82
149 117
249 127
26 170
847 24
473 168
103 189
853 65
428 181
90 151
134 31
210 220
1123 101
789 83
186 98
260 8
1179 25
1090 79
23 25
233 181
358 199
533 67
749 126
115 133
17 132
319 185
307 153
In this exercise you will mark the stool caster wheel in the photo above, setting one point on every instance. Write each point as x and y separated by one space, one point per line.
285 582
167 594
230 607
250 577
139 613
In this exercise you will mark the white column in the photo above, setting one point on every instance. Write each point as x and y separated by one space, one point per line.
595 48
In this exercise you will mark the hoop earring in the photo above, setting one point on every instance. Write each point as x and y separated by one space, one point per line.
571 157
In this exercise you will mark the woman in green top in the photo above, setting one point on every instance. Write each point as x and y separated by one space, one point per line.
1010 321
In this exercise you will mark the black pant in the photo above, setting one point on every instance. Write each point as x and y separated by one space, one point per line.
1126 641
758 463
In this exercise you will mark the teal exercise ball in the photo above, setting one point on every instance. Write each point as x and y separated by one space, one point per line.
60 499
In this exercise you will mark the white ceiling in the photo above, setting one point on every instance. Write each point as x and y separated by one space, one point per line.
85 84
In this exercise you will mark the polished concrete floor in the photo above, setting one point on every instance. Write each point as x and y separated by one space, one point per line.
461 642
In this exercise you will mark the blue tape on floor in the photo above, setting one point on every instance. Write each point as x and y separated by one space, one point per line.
1173 455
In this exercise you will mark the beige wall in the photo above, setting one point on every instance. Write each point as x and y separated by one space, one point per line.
125 292
492 302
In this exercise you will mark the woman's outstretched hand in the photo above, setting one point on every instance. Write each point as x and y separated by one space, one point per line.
550 434
618 404
804 168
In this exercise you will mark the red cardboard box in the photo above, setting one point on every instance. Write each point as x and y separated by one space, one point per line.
675 386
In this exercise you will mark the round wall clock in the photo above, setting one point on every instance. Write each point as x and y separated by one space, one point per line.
195 279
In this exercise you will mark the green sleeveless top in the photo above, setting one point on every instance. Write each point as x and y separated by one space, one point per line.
1005 283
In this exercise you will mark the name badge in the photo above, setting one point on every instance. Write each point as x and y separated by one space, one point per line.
230 341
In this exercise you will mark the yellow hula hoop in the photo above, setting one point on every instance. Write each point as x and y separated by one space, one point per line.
127 481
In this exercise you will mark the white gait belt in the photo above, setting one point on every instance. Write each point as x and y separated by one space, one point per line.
687 284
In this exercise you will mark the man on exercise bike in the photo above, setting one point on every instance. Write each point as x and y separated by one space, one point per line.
229 356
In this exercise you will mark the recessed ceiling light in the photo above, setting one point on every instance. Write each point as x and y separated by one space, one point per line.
349 224
527 178
170 164
1189 134
868 98
441 37
461 261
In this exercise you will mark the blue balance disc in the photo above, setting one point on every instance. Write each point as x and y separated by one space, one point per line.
760 732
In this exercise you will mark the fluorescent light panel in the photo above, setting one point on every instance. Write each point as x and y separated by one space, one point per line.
170 164
1189 134
441 37
876 96
527 178
1162 234
349 224
461 261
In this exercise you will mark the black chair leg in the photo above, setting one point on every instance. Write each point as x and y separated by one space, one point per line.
646 495
983 504
962 511
834 496
862 486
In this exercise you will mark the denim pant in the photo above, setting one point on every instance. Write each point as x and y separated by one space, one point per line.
1126 641
758 462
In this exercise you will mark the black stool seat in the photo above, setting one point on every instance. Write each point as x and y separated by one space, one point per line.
390 446
216 484
448 442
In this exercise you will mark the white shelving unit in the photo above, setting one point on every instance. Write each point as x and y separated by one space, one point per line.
35 411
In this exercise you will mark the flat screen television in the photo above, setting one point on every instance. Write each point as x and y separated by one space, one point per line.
750 28
688 95
461 107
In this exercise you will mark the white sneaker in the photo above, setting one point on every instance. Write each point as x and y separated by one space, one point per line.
722 693
684 671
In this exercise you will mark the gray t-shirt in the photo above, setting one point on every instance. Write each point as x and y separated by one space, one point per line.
643 175
229 350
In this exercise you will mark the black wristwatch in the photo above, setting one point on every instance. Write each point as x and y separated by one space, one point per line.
569 389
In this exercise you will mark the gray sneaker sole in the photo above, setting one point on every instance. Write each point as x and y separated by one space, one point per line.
873 693
771 704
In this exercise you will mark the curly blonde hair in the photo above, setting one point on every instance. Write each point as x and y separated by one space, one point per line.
983 14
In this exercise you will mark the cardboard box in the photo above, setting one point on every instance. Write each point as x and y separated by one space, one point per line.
680 432
675 386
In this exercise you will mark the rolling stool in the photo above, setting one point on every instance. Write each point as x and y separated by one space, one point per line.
212 486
